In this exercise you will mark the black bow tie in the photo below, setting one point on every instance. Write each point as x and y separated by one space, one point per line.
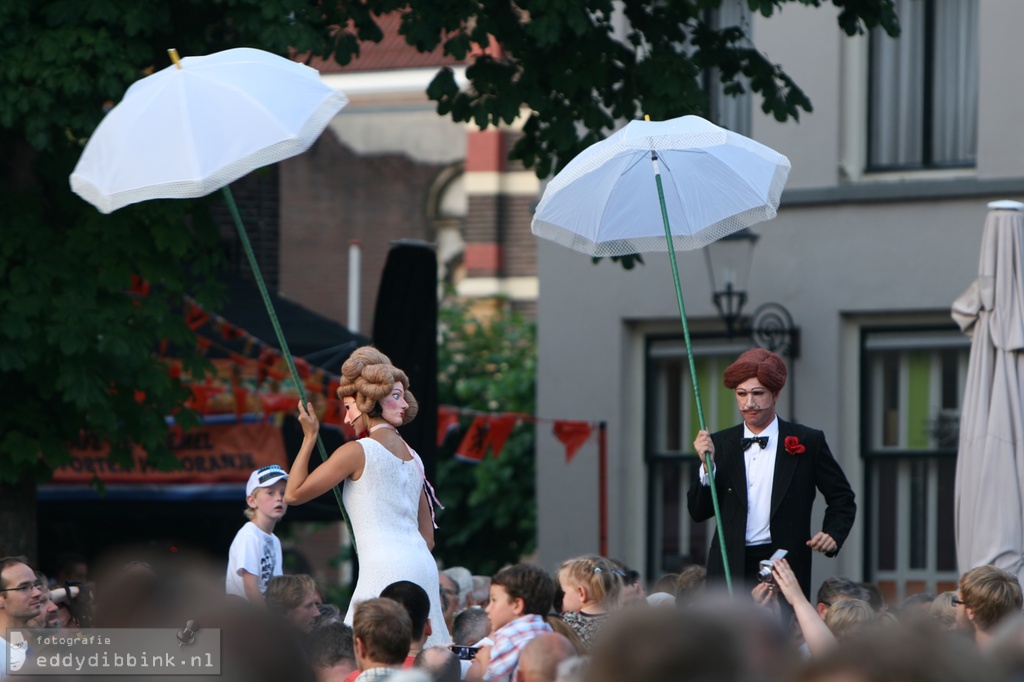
760 440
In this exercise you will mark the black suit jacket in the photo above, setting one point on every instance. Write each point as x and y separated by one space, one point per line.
797 478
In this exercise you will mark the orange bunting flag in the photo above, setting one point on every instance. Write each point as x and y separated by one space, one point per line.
277 402
500 429
139 286
196 317
474 443
486 433
447 419
229 331
268 356
572 435
302 368
201 395
241 401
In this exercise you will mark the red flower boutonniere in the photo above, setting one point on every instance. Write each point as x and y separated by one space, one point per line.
794 446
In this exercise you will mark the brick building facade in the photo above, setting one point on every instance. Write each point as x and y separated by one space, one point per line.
390 168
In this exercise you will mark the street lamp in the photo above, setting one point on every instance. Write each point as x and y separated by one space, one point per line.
771 325
728 262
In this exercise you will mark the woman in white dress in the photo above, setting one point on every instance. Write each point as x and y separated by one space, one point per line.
386 494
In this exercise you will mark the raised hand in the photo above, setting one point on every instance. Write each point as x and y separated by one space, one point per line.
787 582
765 597
307 418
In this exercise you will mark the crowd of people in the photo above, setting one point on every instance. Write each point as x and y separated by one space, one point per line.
590 619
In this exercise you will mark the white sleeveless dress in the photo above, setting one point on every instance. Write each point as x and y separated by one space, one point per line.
383 506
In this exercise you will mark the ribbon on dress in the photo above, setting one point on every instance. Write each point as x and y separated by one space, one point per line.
428 490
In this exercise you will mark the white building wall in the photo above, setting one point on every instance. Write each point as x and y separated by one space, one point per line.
838 254
1000 146
807 42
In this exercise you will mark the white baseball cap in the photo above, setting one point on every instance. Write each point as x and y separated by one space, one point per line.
264 477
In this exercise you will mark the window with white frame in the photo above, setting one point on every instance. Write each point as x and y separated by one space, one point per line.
923 87
674 539
913 388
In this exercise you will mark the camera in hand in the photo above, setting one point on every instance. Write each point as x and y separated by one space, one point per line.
465 653
764 569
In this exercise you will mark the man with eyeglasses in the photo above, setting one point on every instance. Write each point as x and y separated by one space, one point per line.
48 617
986 596
21 599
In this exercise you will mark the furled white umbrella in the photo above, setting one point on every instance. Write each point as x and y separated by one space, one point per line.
659 186
990 462
199 124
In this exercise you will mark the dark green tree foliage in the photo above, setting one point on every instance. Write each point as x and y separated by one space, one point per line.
78 351
583 67
490 515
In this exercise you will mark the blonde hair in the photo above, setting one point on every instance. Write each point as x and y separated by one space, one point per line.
368 376
847 616
285 592
250 512
601 578
992 593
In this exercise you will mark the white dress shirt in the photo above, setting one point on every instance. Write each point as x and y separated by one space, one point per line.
760 467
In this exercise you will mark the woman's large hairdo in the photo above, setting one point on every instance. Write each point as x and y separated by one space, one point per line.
368 376
760 364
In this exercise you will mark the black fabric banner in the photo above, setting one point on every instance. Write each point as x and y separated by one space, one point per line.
405 328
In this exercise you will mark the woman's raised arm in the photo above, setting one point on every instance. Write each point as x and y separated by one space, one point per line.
303 486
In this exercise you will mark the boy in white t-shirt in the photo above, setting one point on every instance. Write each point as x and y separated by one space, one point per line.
255 554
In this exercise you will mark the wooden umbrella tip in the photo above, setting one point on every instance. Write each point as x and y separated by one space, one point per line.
174 56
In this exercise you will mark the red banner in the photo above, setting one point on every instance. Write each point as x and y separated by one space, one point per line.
486 433
572 435
447 419
474 444
214 453
501 429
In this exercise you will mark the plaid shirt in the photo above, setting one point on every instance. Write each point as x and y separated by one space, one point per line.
376 674
508 642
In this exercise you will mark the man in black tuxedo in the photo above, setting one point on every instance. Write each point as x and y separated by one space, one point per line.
766 473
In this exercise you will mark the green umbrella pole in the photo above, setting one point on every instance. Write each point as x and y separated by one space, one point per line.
280 337
693 368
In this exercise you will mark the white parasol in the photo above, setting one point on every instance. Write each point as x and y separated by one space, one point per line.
199 124
658 186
